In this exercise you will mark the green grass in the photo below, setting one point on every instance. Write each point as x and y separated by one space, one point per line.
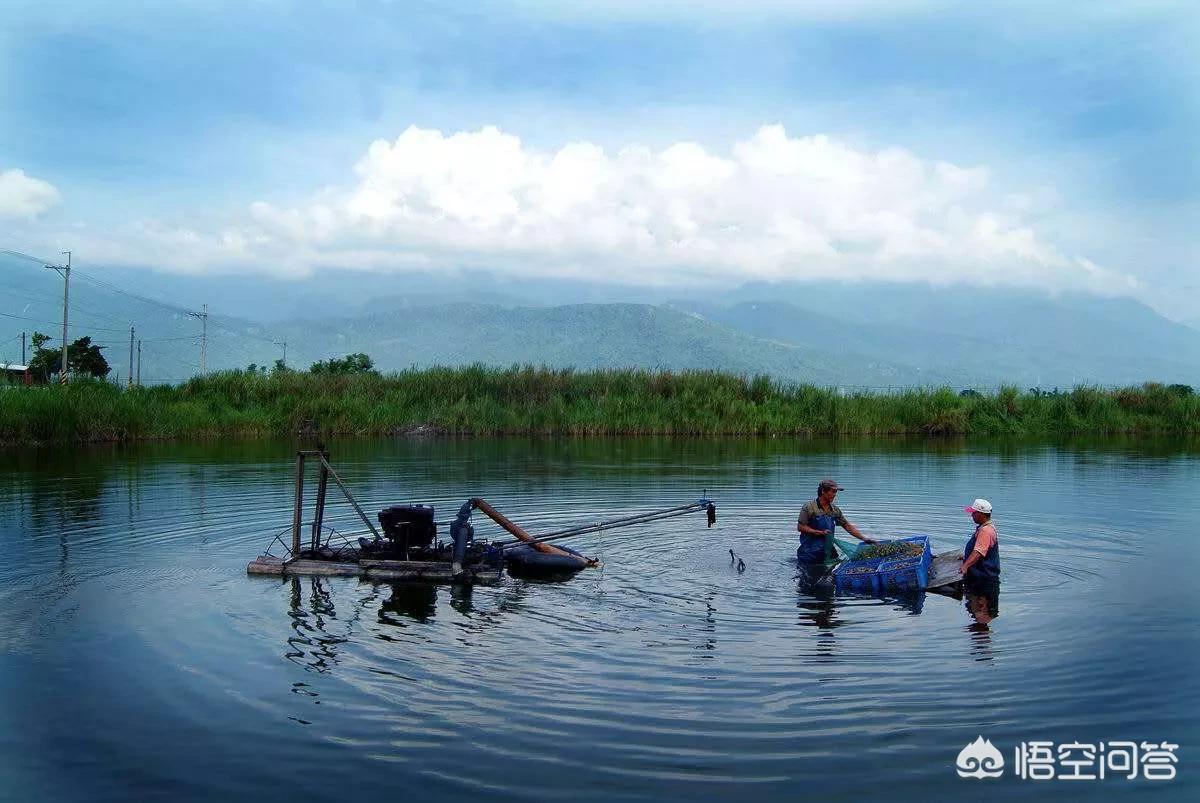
490 401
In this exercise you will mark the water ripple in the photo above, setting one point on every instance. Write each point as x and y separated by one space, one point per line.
666 669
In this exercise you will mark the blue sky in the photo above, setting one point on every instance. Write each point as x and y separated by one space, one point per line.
161 126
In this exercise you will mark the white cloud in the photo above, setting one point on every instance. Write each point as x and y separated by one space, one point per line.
774 207
23 196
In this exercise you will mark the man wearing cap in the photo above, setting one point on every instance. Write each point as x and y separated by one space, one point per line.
981 558
816 522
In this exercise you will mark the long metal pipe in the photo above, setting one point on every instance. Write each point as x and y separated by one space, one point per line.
519 532
625 521
596 529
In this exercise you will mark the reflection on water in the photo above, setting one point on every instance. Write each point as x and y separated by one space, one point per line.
982 601
668 673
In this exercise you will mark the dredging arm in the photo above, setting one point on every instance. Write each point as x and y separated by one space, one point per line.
461 531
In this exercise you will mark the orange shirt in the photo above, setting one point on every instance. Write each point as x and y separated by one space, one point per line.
985 539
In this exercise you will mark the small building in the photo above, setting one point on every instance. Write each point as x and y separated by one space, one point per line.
13 373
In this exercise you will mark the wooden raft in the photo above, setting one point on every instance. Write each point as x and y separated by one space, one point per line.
421 571
944 570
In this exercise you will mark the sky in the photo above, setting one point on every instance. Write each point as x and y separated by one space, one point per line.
1050 146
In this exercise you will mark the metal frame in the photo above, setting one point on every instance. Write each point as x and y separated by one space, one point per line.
326 471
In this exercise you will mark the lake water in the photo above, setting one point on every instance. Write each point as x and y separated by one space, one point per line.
140 661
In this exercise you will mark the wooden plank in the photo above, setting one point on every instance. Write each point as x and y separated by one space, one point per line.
944 570
265 564
435 574
403 565
322 567
426 571
423 569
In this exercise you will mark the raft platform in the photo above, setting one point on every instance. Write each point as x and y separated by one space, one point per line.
409 549
417 570
944 572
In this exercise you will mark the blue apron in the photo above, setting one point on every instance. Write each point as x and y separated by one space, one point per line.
988 568
815 549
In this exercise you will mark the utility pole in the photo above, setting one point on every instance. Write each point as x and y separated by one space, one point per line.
65 272
23 349
130 383
139 363
203 316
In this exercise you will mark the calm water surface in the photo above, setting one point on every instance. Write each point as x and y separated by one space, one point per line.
140 661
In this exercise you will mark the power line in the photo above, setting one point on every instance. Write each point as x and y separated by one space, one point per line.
174 308
98 281
75 307
23 318
55 323
26 257
203 316
144 299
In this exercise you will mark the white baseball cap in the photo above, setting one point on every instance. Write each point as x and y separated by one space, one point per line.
980 506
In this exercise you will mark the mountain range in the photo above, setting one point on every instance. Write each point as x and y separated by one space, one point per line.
845 334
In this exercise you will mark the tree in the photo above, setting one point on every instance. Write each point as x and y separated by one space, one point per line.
357 363
83 358
46 362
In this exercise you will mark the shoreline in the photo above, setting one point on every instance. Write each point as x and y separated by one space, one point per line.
479 401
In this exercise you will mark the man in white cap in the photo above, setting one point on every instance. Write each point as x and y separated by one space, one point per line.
981 558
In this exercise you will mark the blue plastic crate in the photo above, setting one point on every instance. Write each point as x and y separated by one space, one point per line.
906 574
855 581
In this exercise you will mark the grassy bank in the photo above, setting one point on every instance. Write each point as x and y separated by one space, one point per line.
487 401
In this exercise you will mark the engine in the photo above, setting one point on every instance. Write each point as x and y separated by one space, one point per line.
409 527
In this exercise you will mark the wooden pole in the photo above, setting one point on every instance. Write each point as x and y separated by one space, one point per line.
299 505
319 516
62 376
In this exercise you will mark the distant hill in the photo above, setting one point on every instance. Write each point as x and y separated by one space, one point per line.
982 336
845 334
589 336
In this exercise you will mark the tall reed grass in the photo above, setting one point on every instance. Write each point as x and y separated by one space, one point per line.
526 400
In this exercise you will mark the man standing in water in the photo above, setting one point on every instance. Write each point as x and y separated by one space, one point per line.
816 522
981 567
981 558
